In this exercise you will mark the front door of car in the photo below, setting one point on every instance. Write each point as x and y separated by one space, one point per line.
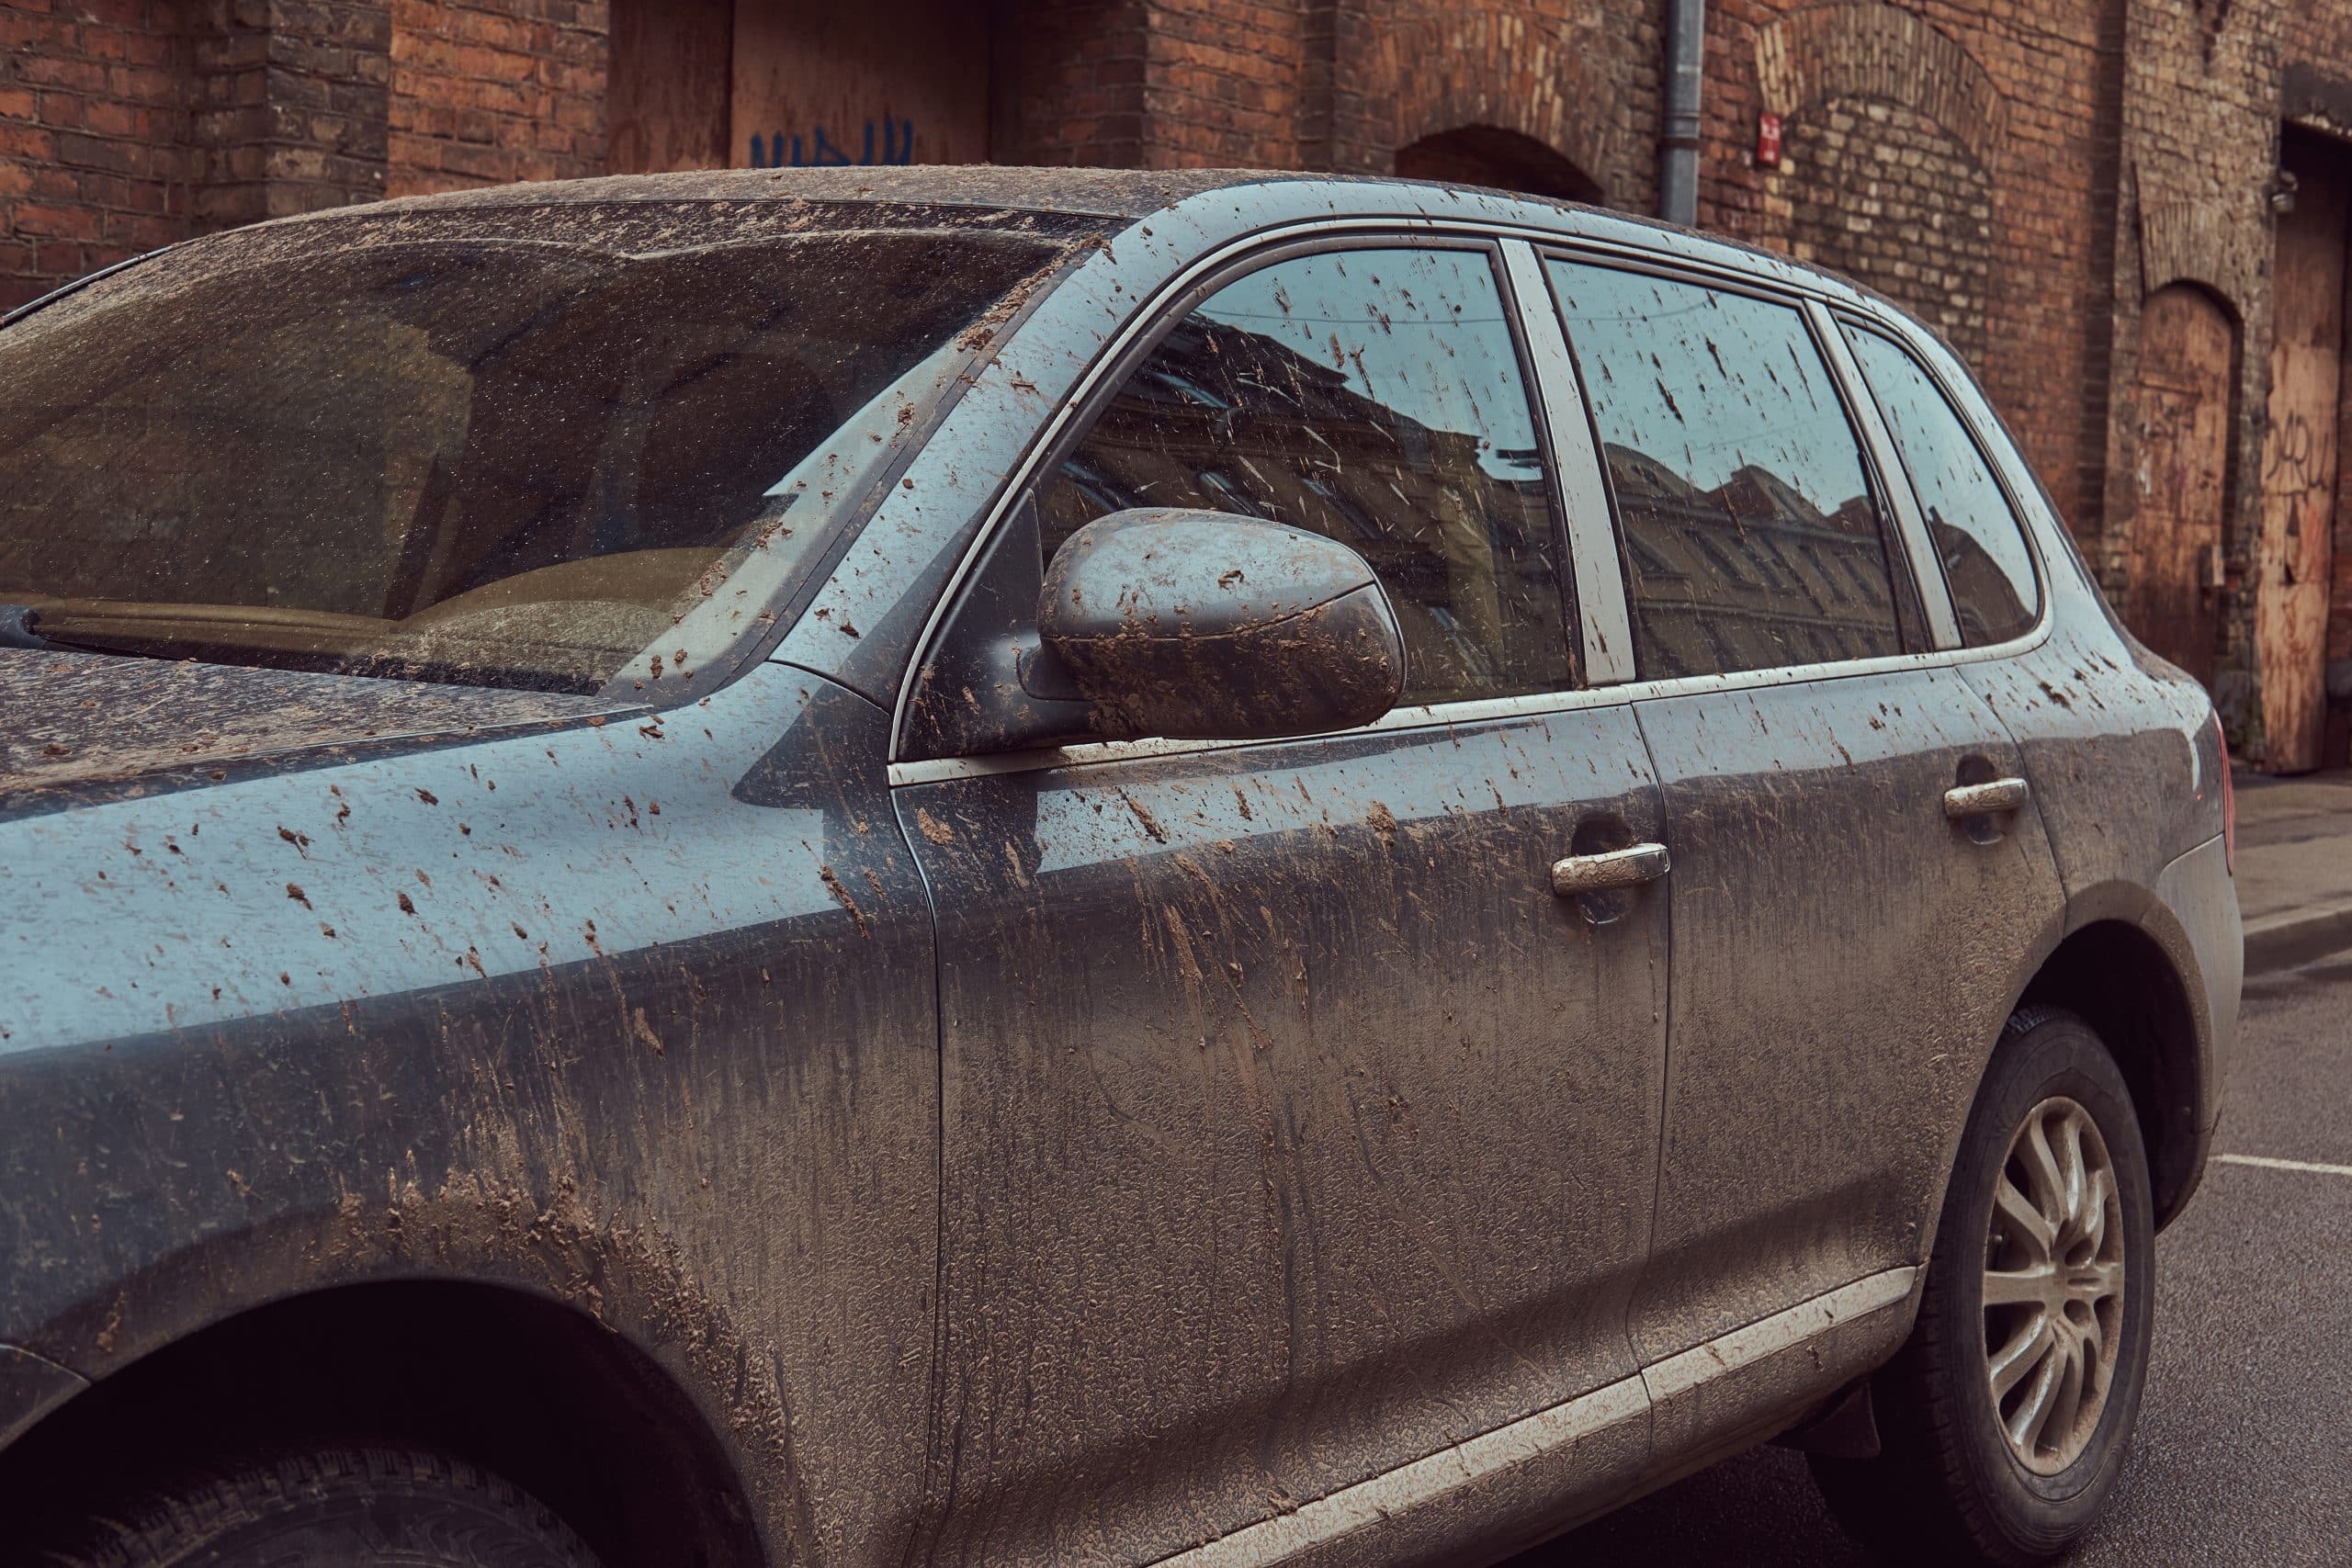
1844 945
1295 1129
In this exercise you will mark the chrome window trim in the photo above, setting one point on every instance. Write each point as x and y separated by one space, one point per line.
1440 716
1602 616
1148 314
1145 317
1927 571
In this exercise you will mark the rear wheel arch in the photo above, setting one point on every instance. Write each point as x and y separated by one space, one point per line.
2119 977
523 1384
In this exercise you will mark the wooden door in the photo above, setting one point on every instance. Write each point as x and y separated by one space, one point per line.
819 85
2298 457
2187 346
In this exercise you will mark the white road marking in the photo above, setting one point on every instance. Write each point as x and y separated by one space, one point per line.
2266 1163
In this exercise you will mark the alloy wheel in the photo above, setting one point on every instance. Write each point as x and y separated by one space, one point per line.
2054 1286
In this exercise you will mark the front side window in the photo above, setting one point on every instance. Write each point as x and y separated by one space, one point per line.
1752 539
1986 563
1374 396
509 448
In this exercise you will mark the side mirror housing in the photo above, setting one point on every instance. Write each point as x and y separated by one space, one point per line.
1206 627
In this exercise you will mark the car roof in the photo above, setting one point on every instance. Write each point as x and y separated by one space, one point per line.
1118 195
1103 193
1124 196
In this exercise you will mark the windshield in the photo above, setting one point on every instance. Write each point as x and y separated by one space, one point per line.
433 451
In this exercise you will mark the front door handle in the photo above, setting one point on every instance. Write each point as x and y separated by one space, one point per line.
1984 799
1605 873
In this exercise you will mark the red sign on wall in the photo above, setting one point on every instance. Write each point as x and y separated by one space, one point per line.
1768 140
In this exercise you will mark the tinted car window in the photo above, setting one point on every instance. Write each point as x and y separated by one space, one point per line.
1374 396
1751 537
470 457
1985 559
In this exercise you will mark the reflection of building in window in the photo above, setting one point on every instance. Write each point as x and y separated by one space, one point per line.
1751 574
1460 533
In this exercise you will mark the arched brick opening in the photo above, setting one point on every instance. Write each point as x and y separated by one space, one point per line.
1893 132
1489 155
1503 74
1880 191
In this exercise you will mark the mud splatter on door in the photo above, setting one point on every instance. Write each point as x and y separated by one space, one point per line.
2186 345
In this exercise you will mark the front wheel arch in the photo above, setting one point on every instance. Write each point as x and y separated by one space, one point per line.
522 1384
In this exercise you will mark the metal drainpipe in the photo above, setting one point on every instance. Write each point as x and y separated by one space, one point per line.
1678 142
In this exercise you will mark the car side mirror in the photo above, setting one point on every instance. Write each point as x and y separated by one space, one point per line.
1203 626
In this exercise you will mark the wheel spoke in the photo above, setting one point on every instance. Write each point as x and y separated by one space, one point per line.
2066 1396
2027 1223
2025 1350
2046 1184
2092 1283
2091 1226
2073 1178
2094 1340
2019 1287
2054 1275
2033 1408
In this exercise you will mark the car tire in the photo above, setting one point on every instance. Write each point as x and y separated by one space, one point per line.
1965 1474
355 1506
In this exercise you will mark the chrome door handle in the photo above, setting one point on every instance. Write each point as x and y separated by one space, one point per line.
1984 799
1603 873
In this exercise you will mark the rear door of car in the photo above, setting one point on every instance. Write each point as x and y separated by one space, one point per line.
1295 1129
1846 936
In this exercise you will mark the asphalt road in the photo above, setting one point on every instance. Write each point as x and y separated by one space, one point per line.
2241 1456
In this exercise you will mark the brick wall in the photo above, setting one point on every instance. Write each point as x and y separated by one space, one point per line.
2024 173
495 91
94 155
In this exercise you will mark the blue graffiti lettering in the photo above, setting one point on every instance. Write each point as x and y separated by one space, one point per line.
773 152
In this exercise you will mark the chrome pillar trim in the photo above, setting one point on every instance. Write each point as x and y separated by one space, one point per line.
1367 1502
1927 567
1584 489
1679 1374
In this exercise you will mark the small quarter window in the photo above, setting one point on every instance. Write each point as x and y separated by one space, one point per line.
1752 539
1985 560
1374 396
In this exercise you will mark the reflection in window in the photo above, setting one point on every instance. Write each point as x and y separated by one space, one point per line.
1984 552
1373 397
1752 540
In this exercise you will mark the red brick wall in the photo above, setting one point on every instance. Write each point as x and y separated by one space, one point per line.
1069 82
491 91
93 163
2024 171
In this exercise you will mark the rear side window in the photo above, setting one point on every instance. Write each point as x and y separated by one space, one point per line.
1752 539
1977 537
1375 397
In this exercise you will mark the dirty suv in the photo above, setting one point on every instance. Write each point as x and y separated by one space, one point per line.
865 867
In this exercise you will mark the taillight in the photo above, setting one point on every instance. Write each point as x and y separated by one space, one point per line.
2229 800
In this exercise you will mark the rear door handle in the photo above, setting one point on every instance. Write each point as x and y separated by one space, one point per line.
1984 799
1604 873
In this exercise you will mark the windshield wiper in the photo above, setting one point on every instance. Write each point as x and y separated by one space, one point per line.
18 630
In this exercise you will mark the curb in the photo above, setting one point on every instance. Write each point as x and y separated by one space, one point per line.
2297 936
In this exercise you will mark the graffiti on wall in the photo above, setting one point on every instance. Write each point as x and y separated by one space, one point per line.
894 144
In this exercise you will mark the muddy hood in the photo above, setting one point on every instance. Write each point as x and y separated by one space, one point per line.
71 720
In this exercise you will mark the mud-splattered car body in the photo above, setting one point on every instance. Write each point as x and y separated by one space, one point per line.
779 1117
